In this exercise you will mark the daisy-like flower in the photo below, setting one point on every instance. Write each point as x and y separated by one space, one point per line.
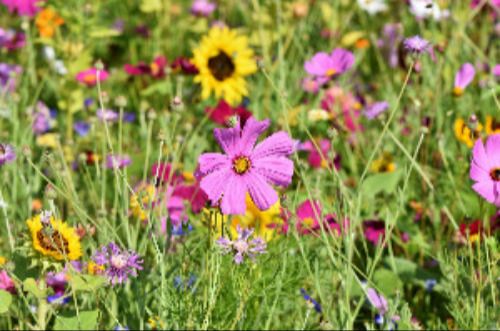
422 9
89 76
373 7
417 45
23 7
467 133
243 246
223 59
47 22
118 264
463 78
54 238
485 169
7 154
492 125
244 169
325 66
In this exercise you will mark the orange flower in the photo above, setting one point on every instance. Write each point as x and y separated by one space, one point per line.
47 22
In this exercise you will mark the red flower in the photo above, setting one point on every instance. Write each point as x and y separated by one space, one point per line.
223 111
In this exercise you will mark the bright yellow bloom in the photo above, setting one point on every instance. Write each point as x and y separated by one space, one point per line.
94 269
47 22
48 140
383 164
223 59
3 260
55 239
465 134
141 199
492 125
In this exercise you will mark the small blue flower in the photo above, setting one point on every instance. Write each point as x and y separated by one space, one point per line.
379 319
429 284
311 301
82 128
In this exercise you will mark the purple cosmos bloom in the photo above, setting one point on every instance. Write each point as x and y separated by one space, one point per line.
310 300
7 76
228 177
242 245
118 264
202 7
375 109
23 7
82 128
117 161
485 169
417 45
107 115
325 66
463 78
7 154
11 39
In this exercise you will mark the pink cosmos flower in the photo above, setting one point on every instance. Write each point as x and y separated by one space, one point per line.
496 70
463 78
327 65
485 169
6 282
320 158
89 76
202 7
336 101
23 7
242 168
311 220
221 113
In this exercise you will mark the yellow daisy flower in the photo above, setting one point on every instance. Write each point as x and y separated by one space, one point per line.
223 59
3 260
54 238
383 164
465 134
492 125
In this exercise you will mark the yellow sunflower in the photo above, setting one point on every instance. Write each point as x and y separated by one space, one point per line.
492 125
223 59
465 134
54 238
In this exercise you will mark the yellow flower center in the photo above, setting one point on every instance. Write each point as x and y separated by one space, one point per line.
89 78
221 66
331 72
241 164
458 91
495 174
155 68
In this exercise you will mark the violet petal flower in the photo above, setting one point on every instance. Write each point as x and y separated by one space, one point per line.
375 109
463 78
485 169
417 45
119 264
7 154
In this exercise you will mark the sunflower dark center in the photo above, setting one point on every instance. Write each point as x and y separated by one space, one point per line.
495 174
221 66
52 242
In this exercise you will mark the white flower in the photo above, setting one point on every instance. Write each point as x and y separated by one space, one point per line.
49 53
60 68
427 8
373 6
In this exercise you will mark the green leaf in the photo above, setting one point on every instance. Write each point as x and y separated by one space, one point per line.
149 6
104 33
387 281
32 287
86 282
377 183
5 301
86 320
405 269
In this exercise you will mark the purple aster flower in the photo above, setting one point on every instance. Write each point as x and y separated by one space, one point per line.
463 78
244 169
417 45
327 65
202 7
88 102
8 75
311 301
375 109
485 169
107 115
117 161
118 264
242 245
82 128
7 154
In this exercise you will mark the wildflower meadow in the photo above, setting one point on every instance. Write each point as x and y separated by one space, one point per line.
249 164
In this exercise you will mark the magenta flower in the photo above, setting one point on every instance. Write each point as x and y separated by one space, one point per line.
319 158
244 169
463 78
11 39
242 245
221 113
311 219
6 282
417 45
202 7
496 70
485 169
118 264
326 66
374 231
117 161
23 7
156 69
89 76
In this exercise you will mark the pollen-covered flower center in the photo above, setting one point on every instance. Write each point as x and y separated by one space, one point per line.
119 261
52 241
241 164
221 66
495 174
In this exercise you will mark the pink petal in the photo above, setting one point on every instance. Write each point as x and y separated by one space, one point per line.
465 75
493 150
486 190
343 60
479 156
277 170
215 183
263 195
228 140
318 65
210 162
233 201
277 144
250 133
309 209
478 174
377 300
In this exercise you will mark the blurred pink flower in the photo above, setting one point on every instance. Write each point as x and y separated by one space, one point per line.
23 7
89 76
328 65
485 169
463 78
